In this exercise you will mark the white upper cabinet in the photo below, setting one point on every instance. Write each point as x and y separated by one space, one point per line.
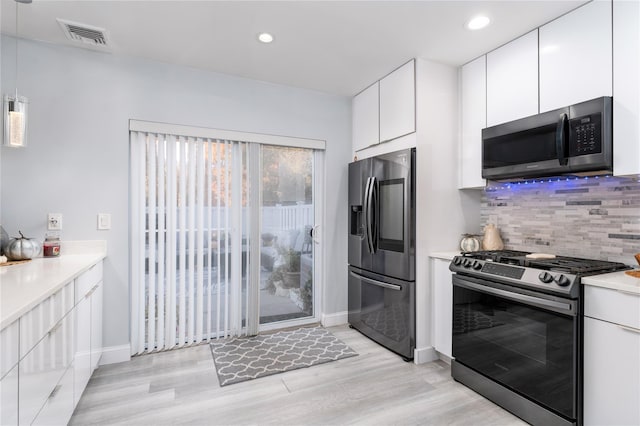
576 56
474 118
626 88
365 118
512 80
398 103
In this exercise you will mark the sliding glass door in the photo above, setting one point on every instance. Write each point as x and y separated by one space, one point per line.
222 238
286 248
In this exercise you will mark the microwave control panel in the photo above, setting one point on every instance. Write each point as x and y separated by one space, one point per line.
585 135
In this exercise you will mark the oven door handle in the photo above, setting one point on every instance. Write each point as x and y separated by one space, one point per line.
376 282
567 308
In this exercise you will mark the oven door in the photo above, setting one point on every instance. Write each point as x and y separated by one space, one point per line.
525 341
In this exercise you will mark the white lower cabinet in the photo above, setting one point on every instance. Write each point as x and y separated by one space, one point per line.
611 357
49 353
96 325
43 367
61 402
82 355
9 397
443 305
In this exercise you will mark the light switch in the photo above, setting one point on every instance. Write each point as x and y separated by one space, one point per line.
104 221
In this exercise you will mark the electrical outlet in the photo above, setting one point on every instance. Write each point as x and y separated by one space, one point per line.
54 221
104 221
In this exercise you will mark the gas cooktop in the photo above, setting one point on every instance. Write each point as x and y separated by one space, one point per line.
570 265
558 275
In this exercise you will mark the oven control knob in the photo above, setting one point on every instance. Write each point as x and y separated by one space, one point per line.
457 261
467 263
477 265
562 281
545 277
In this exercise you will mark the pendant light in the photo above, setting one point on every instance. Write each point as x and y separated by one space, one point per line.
15 107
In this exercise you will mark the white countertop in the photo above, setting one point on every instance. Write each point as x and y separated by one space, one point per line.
25 285
445 255
614 280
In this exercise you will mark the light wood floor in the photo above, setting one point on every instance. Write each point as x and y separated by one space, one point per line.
374 388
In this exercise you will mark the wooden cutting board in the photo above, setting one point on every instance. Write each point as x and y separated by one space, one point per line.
14 262
540 256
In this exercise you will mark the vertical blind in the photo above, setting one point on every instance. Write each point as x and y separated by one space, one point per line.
191 239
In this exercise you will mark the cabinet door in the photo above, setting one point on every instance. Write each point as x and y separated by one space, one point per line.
82 358
576 57
365 116
9 345
9 398
512 80
473 83
442 306
96 325
59 407
398 103
611 374
626 90
43 367
38 321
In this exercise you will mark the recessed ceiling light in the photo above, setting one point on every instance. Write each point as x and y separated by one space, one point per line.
478 22
265 37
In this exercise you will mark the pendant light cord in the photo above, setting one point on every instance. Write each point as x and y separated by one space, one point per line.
17 6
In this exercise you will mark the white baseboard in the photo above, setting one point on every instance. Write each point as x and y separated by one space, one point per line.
331 320
424 355
114 354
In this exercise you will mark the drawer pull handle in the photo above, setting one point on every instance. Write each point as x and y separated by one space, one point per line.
55 328
93 290
54 391
630 329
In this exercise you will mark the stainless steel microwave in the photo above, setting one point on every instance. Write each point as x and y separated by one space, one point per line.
576 140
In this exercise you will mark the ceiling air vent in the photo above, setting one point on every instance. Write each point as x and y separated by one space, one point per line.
88 35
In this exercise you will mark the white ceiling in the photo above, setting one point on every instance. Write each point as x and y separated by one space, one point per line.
337 47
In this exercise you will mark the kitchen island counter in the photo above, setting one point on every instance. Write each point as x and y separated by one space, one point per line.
24 286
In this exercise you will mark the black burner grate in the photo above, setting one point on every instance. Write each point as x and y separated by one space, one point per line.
576 266
570 265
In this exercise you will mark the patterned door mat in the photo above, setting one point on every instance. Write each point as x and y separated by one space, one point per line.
245 358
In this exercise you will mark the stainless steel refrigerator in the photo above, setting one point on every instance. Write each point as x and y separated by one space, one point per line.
382 229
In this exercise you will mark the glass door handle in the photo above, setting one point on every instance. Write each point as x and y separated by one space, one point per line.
313 233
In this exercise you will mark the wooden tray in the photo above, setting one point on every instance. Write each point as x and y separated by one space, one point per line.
635 274
14 262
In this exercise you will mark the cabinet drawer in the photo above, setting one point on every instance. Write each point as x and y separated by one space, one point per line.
59 406
10 349
9 398
36 323
612 305
86 281
611 374
43 367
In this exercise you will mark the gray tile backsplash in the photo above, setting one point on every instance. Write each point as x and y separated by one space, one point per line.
595 218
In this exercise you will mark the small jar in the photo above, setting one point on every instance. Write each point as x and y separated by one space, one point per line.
51 246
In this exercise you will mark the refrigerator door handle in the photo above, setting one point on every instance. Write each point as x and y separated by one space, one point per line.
376 282
365 213
369 215
373 203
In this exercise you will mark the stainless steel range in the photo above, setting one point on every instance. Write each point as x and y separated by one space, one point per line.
517 331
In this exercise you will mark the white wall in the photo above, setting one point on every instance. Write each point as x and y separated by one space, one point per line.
77 159
443 211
